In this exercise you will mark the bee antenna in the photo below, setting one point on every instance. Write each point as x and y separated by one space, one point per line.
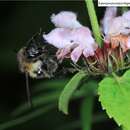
28 90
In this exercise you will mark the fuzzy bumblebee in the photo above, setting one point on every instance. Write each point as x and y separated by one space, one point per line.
35 60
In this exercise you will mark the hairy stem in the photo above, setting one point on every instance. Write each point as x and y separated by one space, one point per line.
94 21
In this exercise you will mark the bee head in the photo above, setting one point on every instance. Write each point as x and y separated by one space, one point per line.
37 59
35 46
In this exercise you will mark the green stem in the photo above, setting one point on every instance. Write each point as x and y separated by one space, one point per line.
86 113
94 21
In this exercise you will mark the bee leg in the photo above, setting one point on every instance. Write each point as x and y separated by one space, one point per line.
28 90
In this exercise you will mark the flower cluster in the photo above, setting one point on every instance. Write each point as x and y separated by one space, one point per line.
117 28
74 40
70 37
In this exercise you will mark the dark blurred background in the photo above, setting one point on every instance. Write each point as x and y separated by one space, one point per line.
18 22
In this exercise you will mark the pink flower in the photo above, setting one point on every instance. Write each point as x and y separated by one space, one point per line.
116 29
59 37
119 25
70 37
109 15
113 25
86 43
65 19
126 15
76 41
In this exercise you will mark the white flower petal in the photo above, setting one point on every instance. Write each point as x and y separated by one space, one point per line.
58 37
126 15
61 53
76 53
88 52
82 36
65 19
119 25
110 13
70 40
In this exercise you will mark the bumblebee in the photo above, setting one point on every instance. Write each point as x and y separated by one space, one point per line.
37 58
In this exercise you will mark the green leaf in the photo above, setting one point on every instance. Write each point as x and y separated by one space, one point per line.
68 91
114 94
123 128
86 112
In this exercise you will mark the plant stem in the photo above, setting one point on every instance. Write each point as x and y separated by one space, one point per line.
86 112
94 21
